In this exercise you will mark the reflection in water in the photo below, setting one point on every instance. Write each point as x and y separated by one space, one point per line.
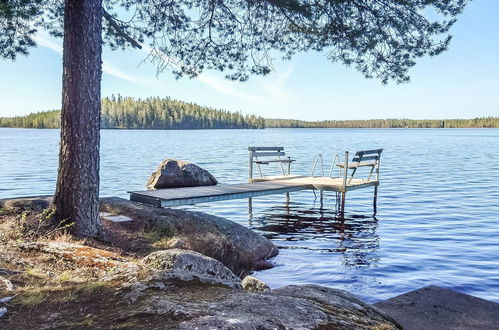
353 236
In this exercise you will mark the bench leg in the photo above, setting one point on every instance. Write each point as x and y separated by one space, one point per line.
370 173
351 177
282 169
250 167
259 170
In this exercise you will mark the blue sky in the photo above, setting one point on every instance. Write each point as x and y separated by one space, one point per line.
461 83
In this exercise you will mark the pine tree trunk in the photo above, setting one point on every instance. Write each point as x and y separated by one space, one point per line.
77 191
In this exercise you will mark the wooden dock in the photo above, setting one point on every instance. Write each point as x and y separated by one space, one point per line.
257 187
270 185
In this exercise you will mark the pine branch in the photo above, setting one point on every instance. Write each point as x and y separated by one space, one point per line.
118 29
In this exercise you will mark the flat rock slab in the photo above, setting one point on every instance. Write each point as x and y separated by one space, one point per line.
114 218
433 307
118 218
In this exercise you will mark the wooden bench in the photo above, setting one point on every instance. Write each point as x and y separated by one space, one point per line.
370 158
261 155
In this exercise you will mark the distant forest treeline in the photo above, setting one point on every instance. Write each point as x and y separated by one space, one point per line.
150 113
486 122
166 113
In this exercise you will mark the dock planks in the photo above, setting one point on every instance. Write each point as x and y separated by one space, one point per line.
258 187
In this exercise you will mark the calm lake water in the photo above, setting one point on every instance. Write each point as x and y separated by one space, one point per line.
438 207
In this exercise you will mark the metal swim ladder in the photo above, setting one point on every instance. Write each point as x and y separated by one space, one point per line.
334 161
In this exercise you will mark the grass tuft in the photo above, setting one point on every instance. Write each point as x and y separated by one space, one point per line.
162 243
36 273
65 276
91 287
158 232
32 298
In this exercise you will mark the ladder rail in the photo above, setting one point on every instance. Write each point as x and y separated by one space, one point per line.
336 160
319 157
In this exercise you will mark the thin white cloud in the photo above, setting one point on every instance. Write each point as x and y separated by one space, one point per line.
45 42
218 84
227 87
107 67
274 90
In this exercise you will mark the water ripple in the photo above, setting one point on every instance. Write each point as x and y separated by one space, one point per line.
437 217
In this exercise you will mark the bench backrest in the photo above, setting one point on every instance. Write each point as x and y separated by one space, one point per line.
367 155
267 151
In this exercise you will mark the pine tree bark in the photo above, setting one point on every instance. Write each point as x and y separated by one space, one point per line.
77 192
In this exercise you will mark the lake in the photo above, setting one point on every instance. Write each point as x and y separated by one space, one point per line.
437 220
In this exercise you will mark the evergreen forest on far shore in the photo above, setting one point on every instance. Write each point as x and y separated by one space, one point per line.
149 113
484 122
167 113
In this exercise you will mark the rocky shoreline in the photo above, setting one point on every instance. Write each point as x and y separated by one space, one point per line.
157 268
170 269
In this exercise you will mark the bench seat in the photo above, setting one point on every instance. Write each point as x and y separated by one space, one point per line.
276 155
275 161
355 165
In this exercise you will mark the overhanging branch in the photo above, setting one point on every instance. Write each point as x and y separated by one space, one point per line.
110 19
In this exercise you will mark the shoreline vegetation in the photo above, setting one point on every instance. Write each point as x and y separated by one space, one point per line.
483 122
154 268
120 112
150 113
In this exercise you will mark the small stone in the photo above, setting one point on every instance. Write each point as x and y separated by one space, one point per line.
6 300
252 284
6 285
3 311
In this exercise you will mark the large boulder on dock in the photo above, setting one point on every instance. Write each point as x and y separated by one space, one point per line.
173 173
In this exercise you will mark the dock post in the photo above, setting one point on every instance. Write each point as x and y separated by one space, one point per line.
345 172
375 201
250 166
344 190
342 208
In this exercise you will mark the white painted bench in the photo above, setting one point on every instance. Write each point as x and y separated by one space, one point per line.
267 155
370 158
